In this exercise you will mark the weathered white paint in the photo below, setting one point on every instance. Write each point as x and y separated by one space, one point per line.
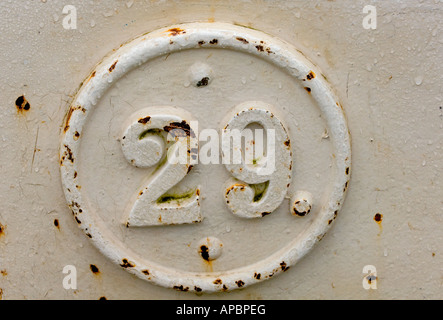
274 169
144 145
387 81
196 36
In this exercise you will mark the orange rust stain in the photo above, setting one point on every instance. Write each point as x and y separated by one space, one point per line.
68 118
311 75
113 66
69 115
378 218
22 104
92 75
144 120
4 273
2 230
94 269
176 31
243 40
127 264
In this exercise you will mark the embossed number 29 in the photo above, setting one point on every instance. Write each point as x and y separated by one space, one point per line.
258 185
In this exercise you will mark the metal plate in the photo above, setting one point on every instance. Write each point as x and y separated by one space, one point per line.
381 59
81 163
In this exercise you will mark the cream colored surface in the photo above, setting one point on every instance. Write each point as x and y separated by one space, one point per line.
388 80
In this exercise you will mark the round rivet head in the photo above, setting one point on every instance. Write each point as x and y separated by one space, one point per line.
210 248
301 204
200 74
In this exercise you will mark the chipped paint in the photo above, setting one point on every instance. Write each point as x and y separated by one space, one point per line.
194 36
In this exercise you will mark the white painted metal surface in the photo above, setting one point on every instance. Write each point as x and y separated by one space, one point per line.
207 62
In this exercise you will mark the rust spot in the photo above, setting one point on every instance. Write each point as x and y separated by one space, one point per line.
4 273
218 281
200 43
94 269
2 230
308 90
77 220
204 252
197 192
257 276
264 214
144 120
378 218
213 41
145 272
75 174
57 224
371 278
298 213
347 171
269 51
68 118
89 235
126 264
102 299
93 74
181 288
179 128
76 136
111 68
141 193
203 82
240 283
243 40
288 143
260 48
311 75
225 288
335 217
176 31
22 104
197 289
284 267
